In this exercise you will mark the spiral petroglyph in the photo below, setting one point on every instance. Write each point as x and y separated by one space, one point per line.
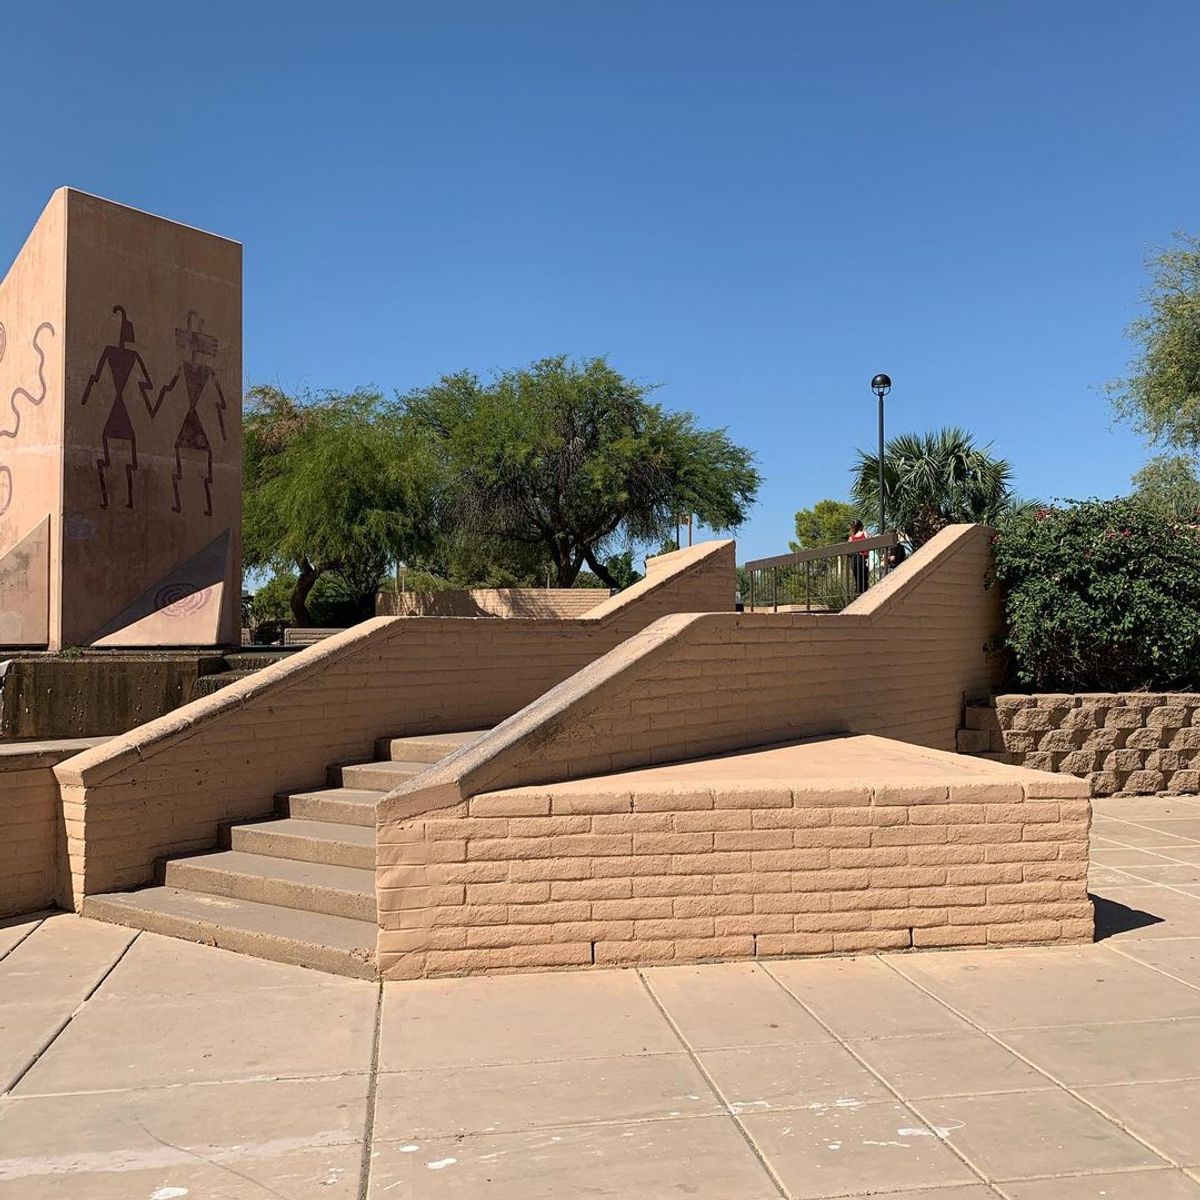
180 599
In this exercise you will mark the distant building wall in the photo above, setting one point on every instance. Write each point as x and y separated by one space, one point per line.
491 602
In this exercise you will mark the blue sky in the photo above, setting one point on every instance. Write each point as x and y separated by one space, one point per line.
755 204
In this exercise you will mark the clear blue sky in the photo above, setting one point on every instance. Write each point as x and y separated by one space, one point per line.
756 204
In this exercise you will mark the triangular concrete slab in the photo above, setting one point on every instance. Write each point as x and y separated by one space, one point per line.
25 589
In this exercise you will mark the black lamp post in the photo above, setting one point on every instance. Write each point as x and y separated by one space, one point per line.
881 385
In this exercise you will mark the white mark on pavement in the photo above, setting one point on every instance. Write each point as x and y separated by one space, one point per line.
440 1163
411 1148
168 1193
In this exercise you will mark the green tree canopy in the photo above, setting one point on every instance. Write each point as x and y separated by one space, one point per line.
1168 485
569 459
933 480
332 483
828 521
1161 395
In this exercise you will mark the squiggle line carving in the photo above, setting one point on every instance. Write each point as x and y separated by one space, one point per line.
36 401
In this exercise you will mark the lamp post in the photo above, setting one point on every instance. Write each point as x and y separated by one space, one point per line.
881 385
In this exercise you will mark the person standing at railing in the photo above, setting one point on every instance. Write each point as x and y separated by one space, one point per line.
858 562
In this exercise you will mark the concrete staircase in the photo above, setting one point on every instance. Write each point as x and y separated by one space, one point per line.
237 665
298 887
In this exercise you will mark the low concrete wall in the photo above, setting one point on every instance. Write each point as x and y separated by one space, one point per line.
1135 742
563 876
95 694
491 602
166 787
32 838
898 662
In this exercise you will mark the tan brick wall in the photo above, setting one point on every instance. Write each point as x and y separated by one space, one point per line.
32 848
1134 742
491 602
165 787
897 662
536 879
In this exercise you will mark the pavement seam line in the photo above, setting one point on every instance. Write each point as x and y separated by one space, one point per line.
58 1032
837 1037
999 1041
21 940
364 1171
759 1157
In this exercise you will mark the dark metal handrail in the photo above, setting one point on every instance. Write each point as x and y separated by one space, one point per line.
829 573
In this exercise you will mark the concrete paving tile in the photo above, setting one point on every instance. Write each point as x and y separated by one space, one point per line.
14 929
847 1151
949 1064
129 1043
1179 957
517 1097
1125 833
1015 989
1177 828
1129 1185
1179 914
1118 856
295 1139
1171 874
1020 1135
1136 1051
61 961
171 967
520 1018
818 1076
1144 808
731 1004
1166 1115
1188 853
703 1158
968 1191
863 998
1101 876
25 1029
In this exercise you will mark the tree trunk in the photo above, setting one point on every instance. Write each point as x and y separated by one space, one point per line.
299 600
600 570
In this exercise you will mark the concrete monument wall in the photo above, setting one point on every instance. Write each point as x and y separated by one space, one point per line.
120 432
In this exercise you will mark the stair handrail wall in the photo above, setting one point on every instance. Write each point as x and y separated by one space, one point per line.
897 662
165 787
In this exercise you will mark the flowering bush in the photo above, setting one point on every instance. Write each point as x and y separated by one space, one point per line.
1101 596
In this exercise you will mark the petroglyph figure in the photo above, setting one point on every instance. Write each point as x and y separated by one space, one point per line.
23 393
120 360
196 378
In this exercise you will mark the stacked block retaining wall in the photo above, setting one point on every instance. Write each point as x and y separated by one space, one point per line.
491 602
536 878
164 788
1136 742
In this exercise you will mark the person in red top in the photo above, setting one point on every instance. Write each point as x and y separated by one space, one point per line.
858 562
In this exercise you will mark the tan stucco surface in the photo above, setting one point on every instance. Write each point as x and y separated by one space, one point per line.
120 386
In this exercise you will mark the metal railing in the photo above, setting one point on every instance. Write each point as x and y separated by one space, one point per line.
824 579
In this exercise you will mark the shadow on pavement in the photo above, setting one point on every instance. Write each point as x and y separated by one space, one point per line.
1112 917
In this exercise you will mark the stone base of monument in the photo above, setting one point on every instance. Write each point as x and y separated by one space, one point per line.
100 693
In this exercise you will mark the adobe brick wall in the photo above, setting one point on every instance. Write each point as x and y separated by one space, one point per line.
536 878
897 662
491 602
165 787
1135 742
32 858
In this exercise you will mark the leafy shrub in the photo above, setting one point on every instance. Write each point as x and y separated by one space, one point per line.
1101 596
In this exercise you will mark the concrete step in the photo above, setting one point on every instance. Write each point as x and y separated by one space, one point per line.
304 939
306 841
288 882
338 805
255 660
376 776
426 748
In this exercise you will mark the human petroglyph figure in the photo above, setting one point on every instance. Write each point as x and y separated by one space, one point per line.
120 360
24 394
196 378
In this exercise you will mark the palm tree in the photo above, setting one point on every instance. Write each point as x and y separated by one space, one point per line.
933 480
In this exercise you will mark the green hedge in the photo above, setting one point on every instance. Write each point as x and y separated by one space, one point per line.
1101 596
